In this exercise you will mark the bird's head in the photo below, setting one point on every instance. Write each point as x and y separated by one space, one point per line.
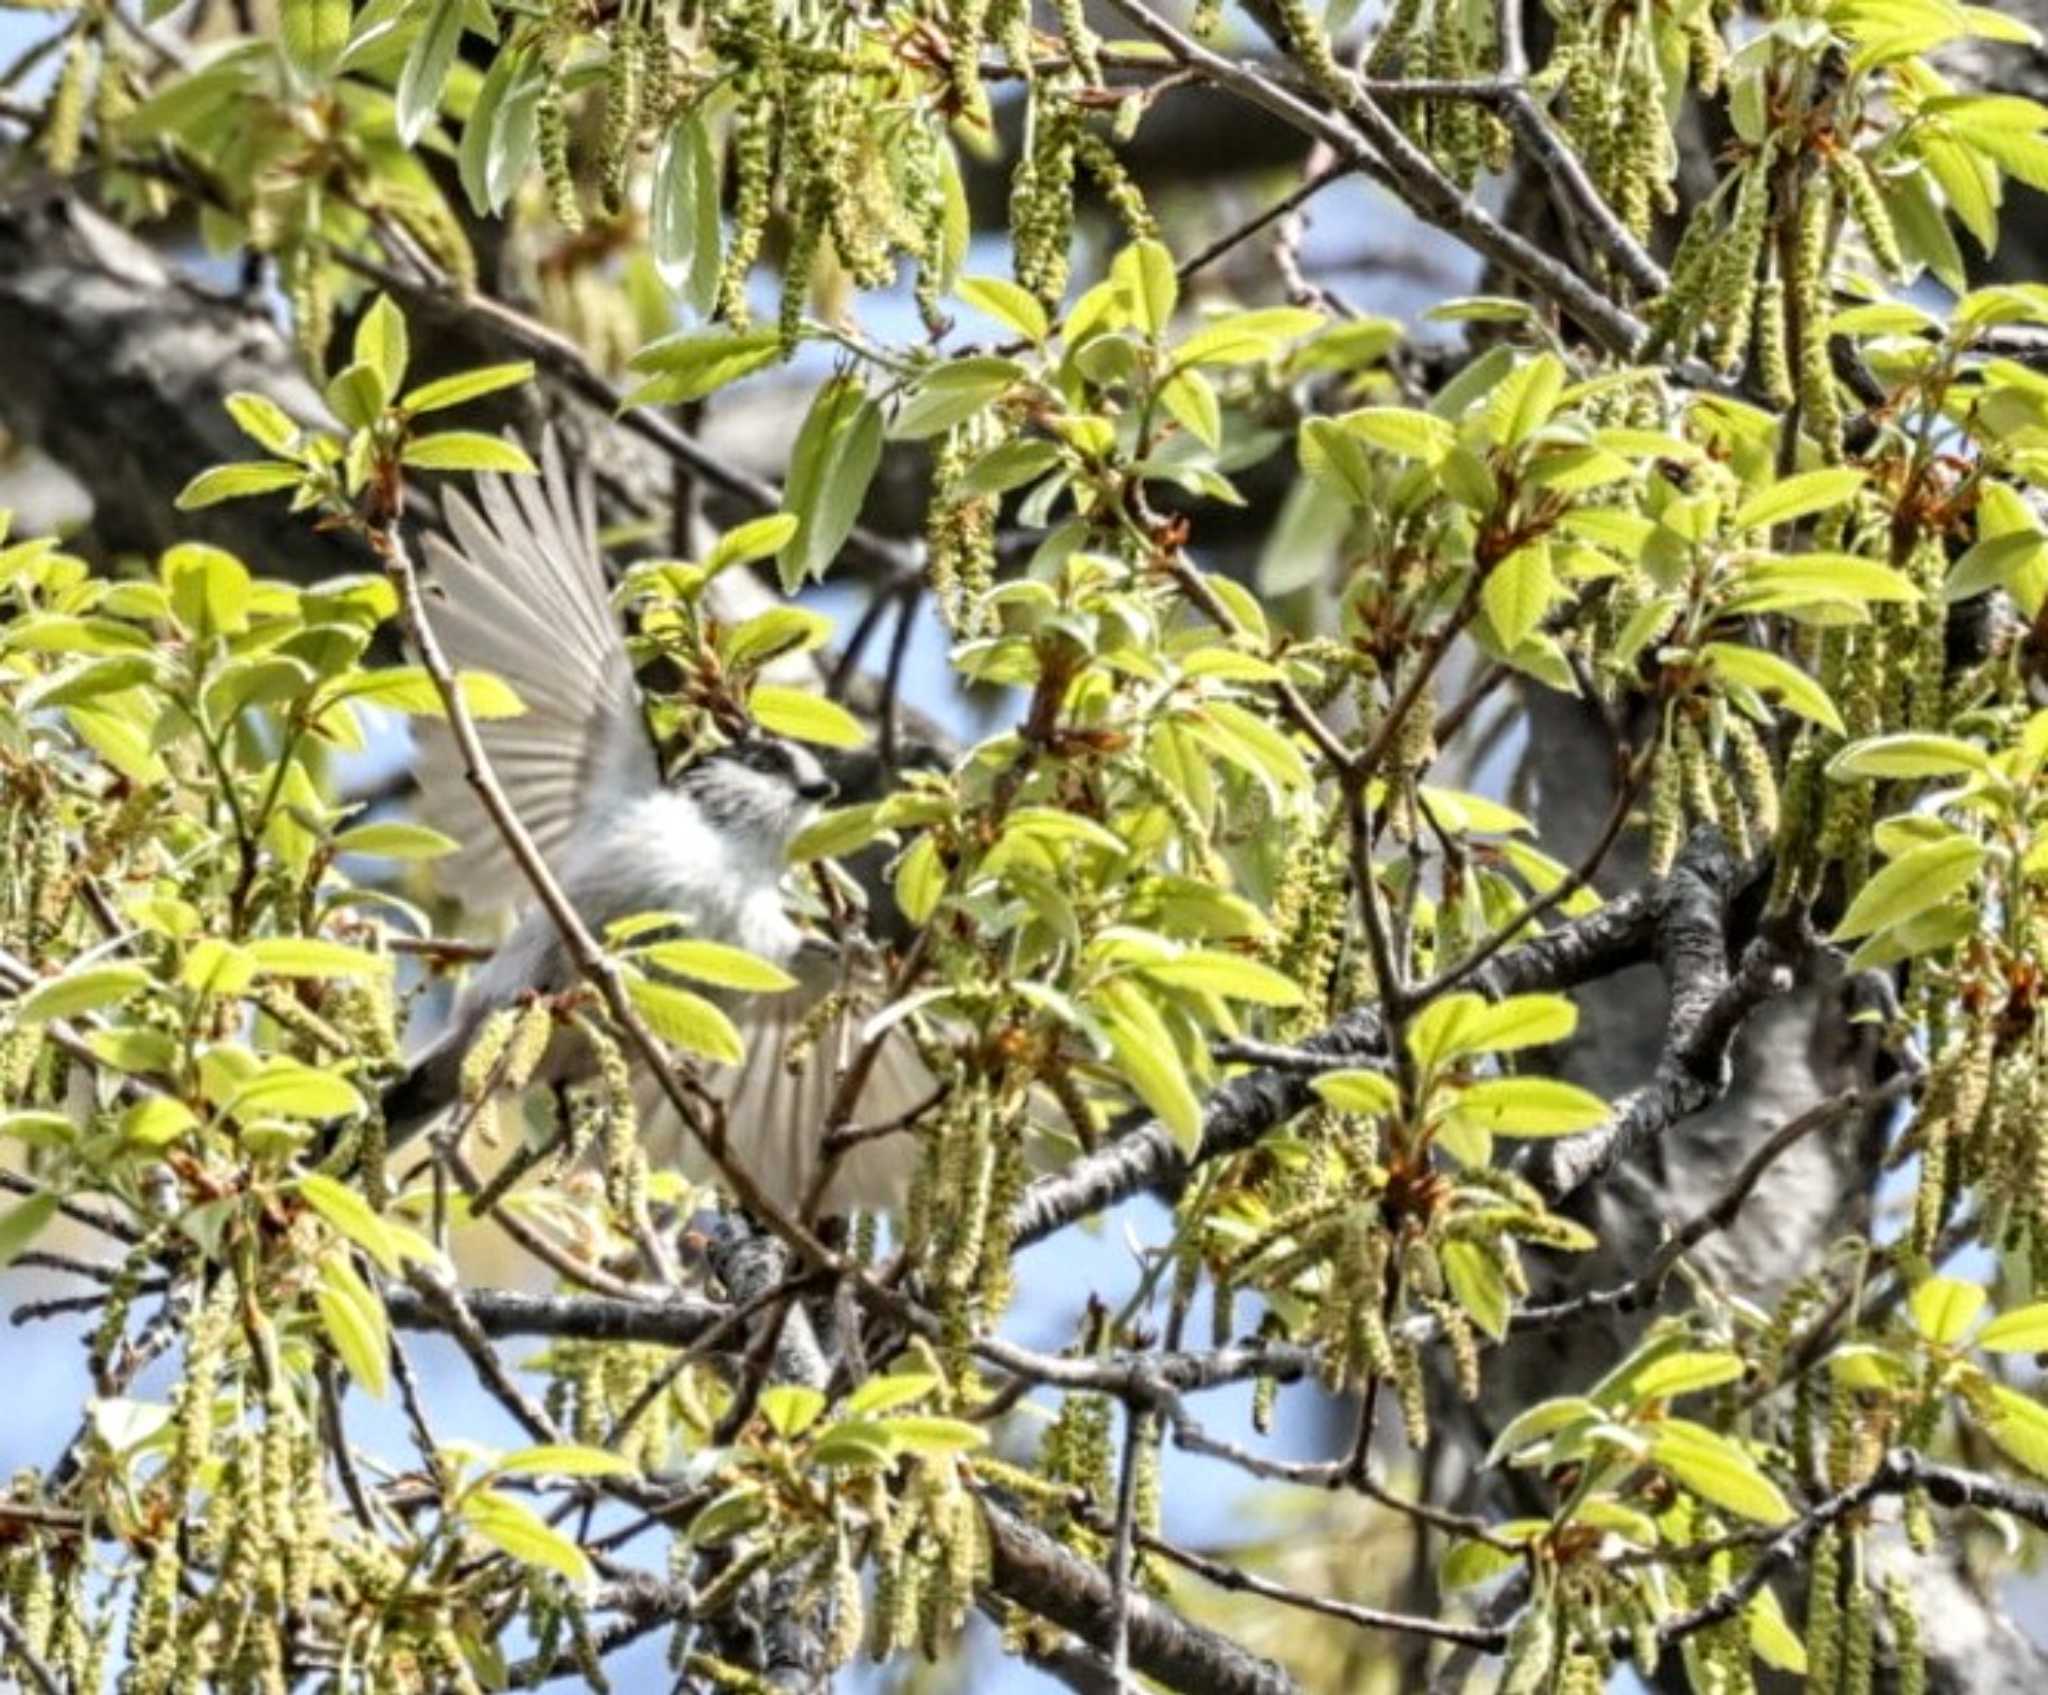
760 786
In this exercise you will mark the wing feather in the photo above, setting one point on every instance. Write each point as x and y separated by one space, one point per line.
524 598
776 1117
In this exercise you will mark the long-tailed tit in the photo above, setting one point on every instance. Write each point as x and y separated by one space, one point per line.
525 599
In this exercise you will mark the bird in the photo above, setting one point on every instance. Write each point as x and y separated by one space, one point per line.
524 597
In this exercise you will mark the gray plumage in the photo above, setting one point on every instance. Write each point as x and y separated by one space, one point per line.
525 598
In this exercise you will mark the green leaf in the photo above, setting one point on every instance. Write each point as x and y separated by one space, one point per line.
466 450
156 1121
917 1433
1921 878
517 1530
426 68
1718 1471
312 956
804 716
1771 676
852 1445
1438 1032
237 482
313 33
209 590
1228 974
80 991
1530 1106
695 363
686 1021
920 880
1335 459
1544 1419
1144 274
1909 755
1009 465
21 1225
683 226
217 967
1401 430
2024 1330
1525 399
1799 497
262 420
716 963
357 396
771 634
726 1516
493 116
791 1408
351 1215
393 840
1944 1308
408 688
285 1088
1518 592
1365 1092
1193 404
560 1459
1273 750
355 1322
1153 1069
1771 1639
1467 1563
1520 1021
382 344
885 1394
1013 307
1477 1282
2019 1425
444 392
1684 1373
837 453
39 1129
952 393
2006 561
756 538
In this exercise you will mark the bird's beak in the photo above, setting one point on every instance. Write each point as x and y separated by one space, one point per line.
822 789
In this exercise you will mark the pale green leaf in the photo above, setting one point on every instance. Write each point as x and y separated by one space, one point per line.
804 716
1919 879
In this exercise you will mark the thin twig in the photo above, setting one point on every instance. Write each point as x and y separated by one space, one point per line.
26 1657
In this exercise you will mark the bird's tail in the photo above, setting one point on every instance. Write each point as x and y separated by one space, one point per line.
423 1093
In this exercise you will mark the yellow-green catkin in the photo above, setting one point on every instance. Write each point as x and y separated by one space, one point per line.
1904 1619
1773 352
752 150
1454 127
1118 186
969 30
1042 197
486 1050
1817 395
1732 301
1754 778
1860 193
625 82
64 116
1685 304
1082 46
1824 1611
1667 810
1309 43
552 133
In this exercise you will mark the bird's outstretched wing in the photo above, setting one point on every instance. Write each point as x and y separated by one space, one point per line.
777 1111
526 600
